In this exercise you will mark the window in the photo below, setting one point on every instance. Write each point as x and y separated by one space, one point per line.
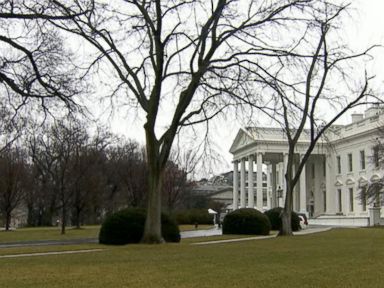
313 171
362 160
324 167
325 200
376 156
340 200
338 159
351 199
350 164
364 198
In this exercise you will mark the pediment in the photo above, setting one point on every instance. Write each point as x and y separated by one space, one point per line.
362 181
338 183
375 177
242 139
350 181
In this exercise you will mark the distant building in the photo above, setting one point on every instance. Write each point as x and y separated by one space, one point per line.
329 185
220 188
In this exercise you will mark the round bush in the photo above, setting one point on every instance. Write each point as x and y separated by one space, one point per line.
127 226
246 221
274 217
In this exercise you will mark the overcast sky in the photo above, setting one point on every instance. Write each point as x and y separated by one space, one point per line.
366 28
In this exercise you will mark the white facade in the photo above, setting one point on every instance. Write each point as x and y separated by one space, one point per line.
329 185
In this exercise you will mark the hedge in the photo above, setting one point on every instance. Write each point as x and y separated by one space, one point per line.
246 221
127 226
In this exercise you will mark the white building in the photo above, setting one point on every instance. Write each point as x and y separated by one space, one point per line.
329 185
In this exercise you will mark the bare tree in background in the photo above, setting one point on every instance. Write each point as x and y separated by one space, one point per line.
175 185
314 77
13 172
179 63
57 154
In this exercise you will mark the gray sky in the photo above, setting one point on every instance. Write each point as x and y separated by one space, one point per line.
366 27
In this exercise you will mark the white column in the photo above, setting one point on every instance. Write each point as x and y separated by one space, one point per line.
235 204
259 198
251 197
303 190
329 187
274 187
285 162
242 183
269 191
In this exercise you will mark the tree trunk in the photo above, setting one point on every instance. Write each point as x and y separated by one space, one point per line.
63 220
77 217
152 230
7 220
286 215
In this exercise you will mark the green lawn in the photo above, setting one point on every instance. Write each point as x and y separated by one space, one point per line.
53 233
337 258
48 233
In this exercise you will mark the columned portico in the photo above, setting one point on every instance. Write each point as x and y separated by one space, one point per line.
329 182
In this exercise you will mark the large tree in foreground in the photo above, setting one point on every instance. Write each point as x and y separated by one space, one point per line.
180 61
311 87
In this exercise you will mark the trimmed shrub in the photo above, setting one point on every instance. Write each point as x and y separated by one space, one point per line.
127 226
274 217
246 221
193 216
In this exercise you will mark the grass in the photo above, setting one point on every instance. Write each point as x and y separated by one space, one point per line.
337 258
53 233
48 233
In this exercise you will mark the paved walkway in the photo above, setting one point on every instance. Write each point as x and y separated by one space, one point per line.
50 253
309 230
48 242
201 233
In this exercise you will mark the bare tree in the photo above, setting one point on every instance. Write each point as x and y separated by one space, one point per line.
175 185
57 153
35 64
313 77
12 179
178 62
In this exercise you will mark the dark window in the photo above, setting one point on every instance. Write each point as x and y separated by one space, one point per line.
325 200
364 198
362 160
340 200
350 163
313 170
324 167
351 199
338 159
376 156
